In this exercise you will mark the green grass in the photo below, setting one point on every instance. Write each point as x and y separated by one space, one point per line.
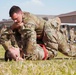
45 67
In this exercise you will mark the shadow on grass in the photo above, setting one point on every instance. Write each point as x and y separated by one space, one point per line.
2 59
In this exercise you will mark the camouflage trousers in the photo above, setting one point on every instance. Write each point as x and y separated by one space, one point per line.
36 52
55 41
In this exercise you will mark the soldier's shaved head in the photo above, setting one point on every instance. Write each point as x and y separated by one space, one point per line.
14 9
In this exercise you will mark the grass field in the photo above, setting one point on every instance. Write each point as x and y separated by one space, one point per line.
45 67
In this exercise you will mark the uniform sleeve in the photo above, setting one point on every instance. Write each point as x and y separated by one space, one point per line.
7 39
29 37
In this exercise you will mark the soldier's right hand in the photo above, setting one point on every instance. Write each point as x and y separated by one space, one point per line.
15 53
16 26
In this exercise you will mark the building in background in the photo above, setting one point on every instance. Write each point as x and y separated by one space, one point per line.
66 19
69 20
7 22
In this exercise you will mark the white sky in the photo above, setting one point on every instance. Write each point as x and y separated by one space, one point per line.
45 7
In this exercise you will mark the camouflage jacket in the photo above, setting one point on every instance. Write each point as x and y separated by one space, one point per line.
32 29
7 38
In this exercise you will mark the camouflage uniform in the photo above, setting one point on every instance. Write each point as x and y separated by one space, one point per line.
65 33
75 35
7 38
49 33
72 35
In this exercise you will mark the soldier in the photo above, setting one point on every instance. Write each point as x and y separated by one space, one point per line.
75 35
72 35
9 43
48 32
65 32
3 28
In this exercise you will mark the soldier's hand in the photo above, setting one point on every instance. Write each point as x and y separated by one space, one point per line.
20 24
16 26
15 53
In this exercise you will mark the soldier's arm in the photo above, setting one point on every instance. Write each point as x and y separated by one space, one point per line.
29 38
16 26
7 40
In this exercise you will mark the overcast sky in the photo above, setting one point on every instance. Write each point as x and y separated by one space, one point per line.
45 7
